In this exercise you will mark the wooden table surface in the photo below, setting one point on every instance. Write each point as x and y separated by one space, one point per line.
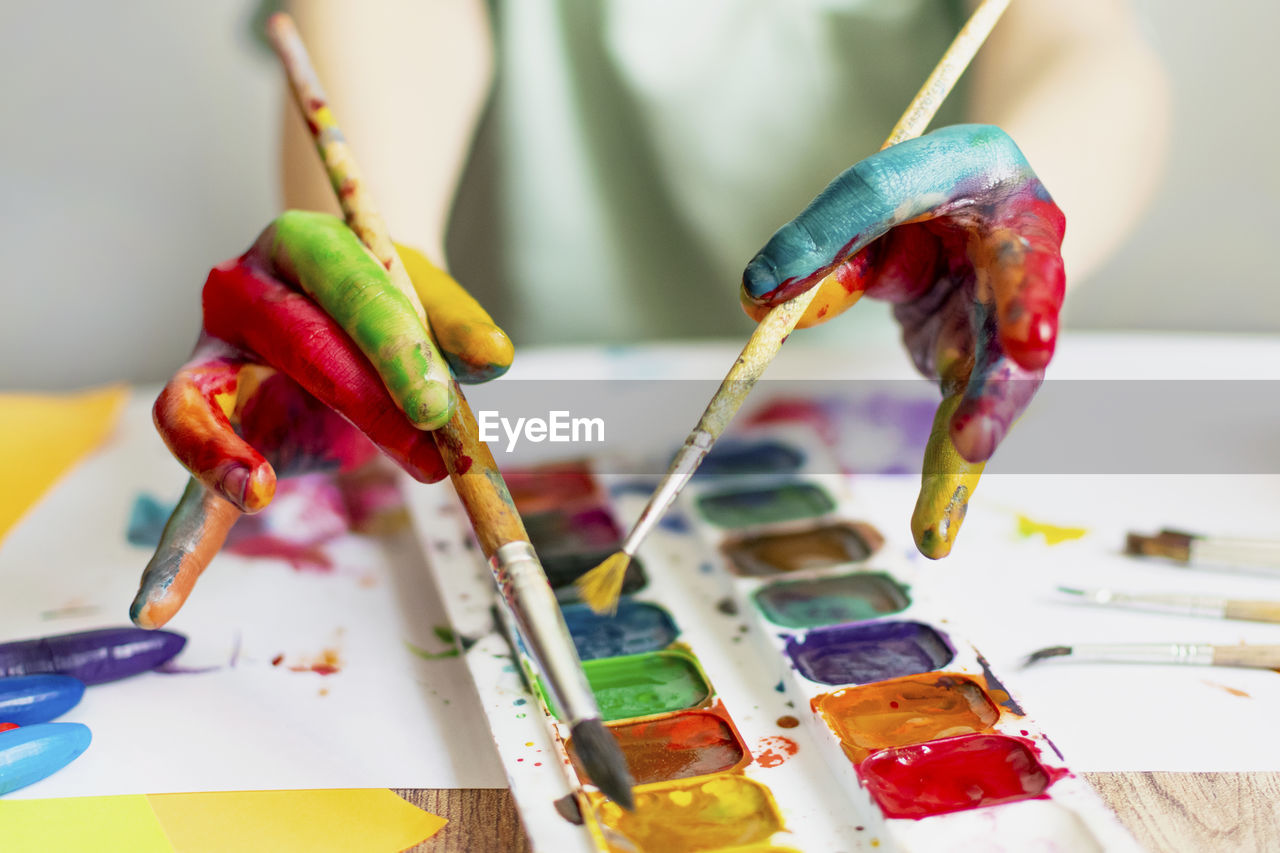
1175 812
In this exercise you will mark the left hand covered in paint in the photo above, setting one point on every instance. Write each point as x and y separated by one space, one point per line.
309 359
956 230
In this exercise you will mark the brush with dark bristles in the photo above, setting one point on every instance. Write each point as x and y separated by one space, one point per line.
592 743
1254 555
1195 654
517 572
601 586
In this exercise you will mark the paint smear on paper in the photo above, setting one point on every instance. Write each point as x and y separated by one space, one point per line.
680 746
680 817
1234 691
875 651
831 601
635 627
816 548
752 507
954 774
773 750
307 515
328 662
1052 533
906 711
640 685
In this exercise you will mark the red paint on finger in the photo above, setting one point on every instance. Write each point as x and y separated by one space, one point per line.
285 329
190 419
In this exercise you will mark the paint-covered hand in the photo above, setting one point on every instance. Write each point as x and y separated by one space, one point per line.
956 230
309 359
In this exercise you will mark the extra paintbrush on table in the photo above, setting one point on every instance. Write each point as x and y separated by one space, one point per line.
516 568
1193 654
1210 552
1181 604
601 586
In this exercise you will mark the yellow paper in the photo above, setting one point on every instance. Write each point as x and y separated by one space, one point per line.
335 821
42 435
80 824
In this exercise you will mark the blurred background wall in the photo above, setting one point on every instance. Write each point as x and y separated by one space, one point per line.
138 149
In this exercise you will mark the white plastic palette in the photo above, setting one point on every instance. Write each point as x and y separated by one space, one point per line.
795 787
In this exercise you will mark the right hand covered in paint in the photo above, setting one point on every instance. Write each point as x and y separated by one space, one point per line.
309 359
956 230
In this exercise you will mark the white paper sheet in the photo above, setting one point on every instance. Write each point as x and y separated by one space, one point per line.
386 719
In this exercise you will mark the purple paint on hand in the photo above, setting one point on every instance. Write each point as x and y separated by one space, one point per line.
93 657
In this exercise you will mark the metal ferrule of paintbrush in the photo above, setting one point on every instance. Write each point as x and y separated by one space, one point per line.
683 466
546 637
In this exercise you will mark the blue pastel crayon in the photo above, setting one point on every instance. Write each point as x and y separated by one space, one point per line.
91 656
30 753
27 699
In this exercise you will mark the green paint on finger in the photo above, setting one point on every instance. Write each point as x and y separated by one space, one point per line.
330 264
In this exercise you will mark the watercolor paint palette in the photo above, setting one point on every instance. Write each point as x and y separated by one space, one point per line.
776 674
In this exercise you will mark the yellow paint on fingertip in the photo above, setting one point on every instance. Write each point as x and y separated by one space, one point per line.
461 325
1052 533
947 484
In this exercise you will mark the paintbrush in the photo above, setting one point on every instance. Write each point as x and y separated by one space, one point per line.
1215 552
601 586
1194 654
1212 606
517 572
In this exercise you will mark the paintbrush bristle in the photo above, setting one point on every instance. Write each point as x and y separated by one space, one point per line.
1044 654
601 587
606 766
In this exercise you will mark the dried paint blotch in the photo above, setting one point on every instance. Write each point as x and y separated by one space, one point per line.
906 711
954 774
728 810
873 651
773 750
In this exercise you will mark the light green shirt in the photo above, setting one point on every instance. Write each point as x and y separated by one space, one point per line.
637 153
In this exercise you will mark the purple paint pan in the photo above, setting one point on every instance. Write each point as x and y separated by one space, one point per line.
871 651
93 657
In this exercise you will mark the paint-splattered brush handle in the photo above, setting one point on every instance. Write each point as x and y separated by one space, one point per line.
472 468
772 331
755 357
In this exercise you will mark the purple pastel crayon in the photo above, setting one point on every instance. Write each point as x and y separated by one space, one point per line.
91 656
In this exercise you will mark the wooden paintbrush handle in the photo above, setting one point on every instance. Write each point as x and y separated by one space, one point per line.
479 484
1254 657
1254 611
